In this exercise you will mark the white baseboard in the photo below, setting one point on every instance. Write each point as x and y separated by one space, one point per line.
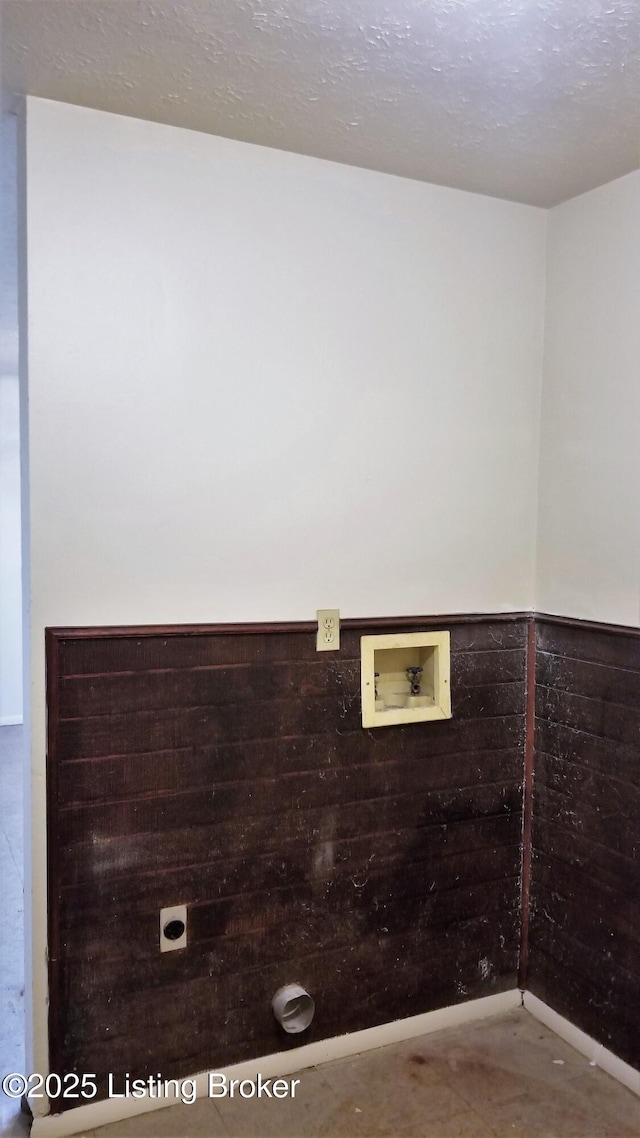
282 1063
595 1052
10 720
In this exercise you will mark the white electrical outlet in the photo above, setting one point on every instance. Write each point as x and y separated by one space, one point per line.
173 928
328 636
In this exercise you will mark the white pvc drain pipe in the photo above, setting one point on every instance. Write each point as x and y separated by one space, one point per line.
293 1008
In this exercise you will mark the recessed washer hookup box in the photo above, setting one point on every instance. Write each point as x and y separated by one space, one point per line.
405 678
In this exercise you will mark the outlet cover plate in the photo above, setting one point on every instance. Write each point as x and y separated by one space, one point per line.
328 635
173 913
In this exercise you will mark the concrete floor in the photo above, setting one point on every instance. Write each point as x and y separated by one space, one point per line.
505 1076
499 1077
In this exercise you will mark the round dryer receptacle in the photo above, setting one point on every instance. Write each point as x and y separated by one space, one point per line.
173 930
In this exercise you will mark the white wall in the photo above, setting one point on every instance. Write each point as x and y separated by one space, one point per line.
10 561
10 583
260 384
589 509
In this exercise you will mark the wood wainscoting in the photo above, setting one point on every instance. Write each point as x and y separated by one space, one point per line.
584 934
225 768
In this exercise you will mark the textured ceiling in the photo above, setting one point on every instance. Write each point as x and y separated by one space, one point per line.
534 100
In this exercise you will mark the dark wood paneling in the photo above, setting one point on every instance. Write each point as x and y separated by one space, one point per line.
560 893
617 647
611 721
120 854
600 682
615 872
592 752
527 803
227 769
89 696
129 777
370 788
584 957
202 1022
190 646
609 1013
234 876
